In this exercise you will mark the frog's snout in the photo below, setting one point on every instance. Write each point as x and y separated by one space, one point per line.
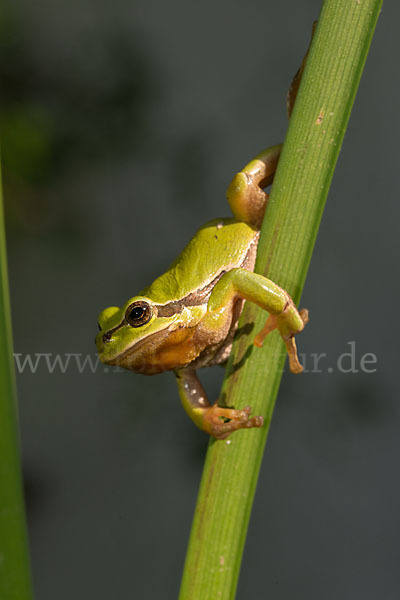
106 315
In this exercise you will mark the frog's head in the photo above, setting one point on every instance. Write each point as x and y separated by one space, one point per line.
127 334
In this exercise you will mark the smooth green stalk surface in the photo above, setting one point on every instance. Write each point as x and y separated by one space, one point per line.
15 583
336 59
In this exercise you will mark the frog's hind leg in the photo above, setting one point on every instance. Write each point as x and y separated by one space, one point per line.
294 87
215 420
246 195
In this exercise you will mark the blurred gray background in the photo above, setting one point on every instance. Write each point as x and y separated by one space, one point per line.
122 124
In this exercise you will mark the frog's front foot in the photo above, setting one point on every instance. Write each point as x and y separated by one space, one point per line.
220 422
288 323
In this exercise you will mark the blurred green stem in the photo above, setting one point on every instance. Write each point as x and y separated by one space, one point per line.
317 125
15 580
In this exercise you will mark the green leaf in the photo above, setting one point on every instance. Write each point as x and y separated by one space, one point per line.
15 581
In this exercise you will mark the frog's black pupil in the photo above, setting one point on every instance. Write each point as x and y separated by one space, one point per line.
136 313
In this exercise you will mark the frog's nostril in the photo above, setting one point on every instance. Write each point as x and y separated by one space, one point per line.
107 336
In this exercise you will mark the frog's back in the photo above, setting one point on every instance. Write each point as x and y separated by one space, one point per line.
220 245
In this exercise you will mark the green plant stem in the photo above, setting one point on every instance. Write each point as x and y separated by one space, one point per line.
327 91
15 580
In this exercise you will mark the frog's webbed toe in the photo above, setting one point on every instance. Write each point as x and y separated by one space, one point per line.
220 422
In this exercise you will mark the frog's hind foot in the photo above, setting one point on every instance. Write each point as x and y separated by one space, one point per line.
220 422
245 193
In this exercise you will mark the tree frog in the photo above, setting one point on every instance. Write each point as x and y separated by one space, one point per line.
187 318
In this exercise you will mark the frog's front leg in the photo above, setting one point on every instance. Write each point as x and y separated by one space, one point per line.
284 316
215 420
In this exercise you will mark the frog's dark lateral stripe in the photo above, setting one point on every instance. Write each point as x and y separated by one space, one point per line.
175 307
108 334
201 296
192 299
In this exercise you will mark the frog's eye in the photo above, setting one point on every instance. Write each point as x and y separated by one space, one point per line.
138 313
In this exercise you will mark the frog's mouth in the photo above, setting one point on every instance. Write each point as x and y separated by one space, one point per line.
136 346
135 357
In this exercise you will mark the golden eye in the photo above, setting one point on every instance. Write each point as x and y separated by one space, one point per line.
138 313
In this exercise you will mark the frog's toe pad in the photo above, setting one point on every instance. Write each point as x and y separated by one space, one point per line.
220 422
304 314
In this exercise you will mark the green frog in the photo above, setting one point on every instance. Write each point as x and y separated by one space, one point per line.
186 319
